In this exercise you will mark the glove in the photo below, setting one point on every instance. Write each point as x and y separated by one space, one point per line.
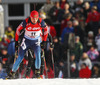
51 45
43 45
16 45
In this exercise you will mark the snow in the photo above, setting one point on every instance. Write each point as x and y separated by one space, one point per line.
56 81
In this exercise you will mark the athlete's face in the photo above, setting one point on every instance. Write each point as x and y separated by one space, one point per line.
34 20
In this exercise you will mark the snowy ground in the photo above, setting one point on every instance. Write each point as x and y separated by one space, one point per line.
51 82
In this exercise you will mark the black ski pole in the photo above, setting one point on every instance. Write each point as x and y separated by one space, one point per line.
43 61
52 61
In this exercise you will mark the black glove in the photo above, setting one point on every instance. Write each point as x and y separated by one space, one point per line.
16 45
43 45
51 45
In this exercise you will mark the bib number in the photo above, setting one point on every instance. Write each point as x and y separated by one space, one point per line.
33 33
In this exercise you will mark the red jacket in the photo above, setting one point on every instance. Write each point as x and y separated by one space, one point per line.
94 17
85 73
62 4
64 24
52 31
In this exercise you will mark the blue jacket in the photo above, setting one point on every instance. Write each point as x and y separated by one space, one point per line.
3 74
11 48
66 30
97 4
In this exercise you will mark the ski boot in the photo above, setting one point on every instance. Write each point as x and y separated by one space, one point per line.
37 74
11 75
28 72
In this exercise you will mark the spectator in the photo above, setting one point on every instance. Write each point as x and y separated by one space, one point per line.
3 74
42 14
67 18
93 20
95 3
85 72
67 30
63 12
78 6
57 51
5 59
96 71
90 40
73 67
85 59
93 54
67 9
80 18
62 68
11 47
5 41
11 50
51 28
60 58
97 40
9 32
62 3
78 31
86 9
46 7
78 49
54 11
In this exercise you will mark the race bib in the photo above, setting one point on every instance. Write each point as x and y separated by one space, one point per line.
32 34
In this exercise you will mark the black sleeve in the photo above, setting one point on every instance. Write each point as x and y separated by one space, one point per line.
50 38
22 31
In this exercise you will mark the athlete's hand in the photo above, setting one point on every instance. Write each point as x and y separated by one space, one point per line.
43 45
51 45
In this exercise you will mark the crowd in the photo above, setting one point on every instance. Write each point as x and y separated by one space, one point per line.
74 26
